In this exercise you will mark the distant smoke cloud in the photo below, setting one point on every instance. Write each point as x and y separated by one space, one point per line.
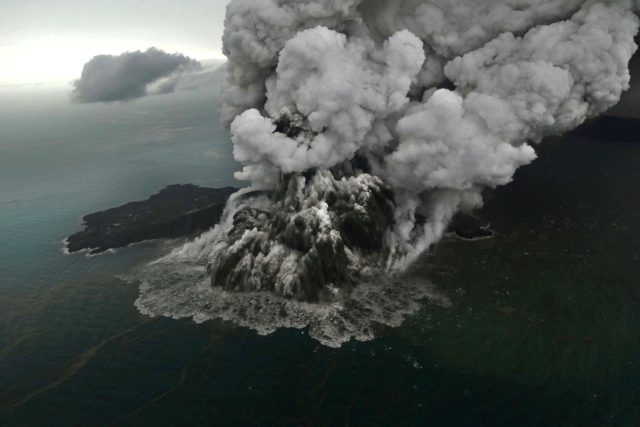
131 75
211 75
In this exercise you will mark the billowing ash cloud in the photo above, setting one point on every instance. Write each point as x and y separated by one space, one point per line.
367 124
109 78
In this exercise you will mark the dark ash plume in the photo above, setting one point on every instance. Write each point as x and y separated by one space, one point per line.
310 240
131 75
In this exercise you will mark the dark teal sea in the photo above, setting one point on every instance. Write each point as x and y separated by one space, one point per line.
543 330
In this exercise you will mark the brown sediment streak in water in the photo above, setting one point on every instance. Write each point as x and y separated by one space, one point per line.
26 306
318 395
214 343
349 408
327 374
154 334
27 335
183 376
70 371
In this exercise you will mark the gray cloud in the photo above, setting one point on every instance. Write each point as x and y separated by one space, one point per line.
131 75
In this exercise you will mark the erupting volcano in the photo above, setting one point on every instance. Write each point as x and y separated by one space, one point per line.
363 127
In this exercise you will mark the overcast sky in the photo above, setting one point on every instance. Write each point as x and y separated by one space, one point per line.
43 41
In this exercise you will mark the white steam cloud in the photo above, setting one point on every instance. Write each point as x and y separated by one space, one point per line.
384 118
351 77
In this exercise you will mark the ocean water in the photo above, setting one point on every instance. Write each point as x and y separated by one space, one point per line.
59 162
543 328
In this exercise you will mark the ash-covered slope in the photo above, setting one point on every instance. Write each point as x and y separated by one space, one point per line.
311 239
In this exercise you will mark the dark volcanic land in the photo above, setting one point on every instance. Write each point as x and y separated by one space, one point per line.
177 211
186 210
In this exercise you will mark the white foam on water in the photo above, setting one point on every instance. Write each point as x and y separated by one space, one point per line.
179 289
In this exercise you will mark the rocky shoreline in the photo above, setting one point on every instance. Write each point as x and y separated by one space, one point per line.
176 211
185 210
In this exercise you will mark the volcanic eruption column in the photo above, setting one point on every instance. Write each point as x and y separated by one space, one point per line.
367 124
